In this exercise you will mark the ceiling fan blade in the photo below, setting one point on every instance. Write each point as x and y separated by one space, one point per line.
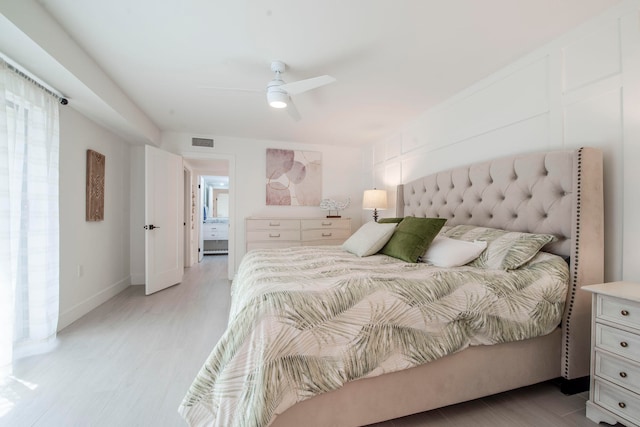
293 111
300 86
232 89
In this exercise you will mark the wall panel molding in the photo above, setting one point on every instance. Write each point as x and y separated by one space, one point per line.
582 88
592 58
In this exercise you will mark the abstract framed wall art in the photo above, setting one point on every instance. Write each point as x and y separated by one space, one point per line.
294 177
95 186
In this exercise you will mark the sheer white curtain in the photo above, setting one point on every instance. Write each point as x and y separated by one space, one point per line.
29 249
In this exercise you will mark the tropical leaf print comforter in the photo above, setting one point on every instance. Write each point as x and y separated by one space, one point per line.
306 320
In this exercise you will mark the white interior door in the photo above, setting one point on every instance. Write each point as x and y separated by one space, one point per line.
164 261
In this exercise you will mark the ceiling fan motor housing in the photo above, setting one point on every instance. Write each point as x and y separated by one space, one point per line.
277 98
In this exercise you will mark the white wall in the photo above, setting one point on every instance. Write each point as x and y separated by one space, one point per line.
579 90
341 178
99 249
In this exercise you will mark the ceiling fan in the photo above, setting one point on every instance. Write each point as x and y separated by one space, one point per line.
279 93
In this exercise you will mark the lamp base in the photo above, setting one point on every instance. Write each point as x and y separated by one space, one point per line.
375 214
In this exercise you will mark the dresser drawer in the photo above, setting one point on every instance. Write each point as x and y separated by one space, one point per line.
274 235
618 310
271 245
218 235
308 224
339 234
215 232
617 370
617 400
273 224
617 341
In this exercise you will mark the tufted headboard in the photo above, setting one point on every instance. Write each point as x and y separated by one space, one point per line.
556 192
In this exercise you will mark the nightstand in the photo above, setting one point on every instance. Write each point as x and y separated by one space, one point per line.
614 394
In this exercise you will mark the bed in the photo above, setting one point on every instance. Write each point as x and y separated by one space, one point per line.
557 193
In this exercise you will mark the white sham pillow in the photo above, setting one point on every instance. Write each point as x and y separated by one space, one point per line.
369 238
448 252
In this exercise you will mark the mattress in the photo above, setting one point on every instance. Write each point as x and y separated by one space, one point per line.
307 320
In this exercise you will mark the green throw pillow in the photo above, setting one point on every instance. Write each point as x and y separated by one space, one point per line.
412 238
389 220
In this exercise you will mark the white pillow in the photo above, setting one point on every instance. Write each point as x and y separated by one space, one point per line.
369 238
448 252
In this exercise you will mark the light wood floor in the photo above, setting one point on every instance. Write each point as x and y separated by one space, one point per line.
130 361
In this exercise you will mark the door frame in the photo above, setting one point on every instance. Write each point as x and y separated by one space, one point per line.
231 159
187 214
200 217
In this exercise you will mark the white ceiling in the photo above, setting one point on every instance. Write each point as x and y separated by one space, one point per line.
392 59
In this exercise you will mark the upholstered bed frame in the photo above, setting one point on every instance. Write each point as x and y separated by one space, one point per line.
558 192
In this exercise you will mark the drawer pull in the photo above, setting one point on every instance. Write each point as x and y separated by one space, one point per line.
274 224
326 234
623 374
326 223
274 235
624 312
624 344
622 405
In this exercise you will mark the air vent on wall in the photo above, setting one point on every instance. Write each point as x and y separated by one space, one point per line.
202 142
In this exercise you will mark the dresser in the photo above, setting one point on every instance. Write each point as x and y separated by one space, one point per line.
614 394
286 232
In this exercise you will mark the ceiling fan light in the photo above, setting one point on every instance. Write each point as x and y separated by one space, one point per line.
277 99
278 104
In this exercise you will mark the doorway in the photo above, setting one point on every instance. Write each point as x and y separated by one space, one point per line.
210 222
214 233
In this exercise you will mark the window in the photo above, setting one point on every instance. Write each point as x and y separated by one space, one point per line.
29 248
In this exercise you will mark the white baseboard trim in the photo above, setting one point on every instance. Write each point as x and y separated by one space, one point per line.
137 279
84 307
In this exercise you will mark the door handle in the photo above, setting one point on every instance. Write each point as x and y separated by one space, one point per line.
150 227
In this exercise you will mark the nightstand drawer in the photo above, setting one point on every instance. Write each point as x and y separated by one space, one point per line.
273 224
334 223
619 310
618 341
617 400
617 370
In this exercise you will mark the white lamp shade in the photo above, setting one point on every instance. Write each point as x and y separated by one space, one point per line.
374 199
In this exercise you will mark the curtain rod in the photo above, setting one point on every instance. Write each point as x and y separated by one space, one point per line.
25 74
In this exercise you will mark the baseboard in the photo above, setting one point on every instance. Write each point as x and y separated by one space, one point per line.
573 386
137 279
84 307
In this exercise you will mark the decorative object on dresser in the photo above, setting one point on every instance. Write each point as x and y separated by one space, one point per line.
332 205
285 232
614 395
374 200
294 177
